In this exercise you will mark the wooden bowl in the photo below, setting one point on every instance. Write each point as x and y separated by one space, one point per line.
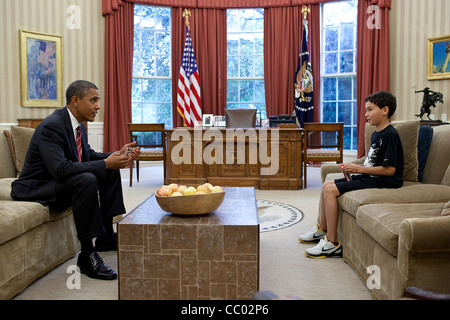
191 204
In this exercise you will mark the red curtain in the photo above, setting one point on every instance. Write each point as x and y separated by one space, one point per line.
209 39
119 34
373 61
283 27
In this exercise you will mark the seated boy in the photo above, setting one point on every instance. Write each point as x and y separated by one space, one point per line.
383 168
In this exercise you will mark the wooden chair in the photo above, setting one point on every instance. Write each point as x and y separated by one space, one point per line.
314 150
154 149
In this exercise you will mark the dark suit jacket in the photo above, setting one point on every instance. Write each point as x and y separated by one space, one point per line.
52 156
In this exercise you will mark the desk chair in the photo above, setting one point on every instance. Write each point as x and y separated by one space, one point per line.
240 118
151 139
326 147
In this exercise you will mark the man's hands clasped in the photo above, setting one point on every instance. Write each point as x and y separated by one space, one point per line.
121 158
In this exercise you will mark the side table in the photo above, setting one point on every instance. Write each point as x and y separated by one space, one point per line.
212 256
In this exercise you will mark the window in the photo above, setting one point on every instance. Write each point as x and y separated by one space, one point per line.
245 59
338 67
152 65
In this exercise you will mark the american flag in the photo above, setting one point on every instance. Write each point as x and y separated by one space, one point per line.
189 102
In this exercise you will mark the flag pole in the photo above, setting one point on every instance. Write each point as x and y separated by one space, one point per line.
305 11
186 15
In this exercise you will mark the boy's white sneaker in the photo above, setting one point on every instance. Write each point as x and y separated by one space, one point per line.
325 249
315 235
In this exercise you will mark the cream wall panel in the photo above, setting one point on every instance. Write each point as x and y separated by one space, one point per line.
83 48
412 23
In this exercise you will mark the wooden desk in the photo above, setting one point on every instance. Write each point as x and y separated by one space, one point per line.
212 256
239 157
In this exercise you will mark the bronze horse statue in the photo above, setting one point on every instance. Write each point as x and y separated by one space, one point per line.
430 98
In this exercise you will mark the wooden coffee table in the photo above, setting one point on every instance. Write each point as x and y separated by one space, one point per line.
212 256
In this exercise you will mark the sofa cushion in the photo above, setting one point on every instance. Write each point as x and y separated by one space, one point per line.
446 180
21 137
438 156
7 166
409 135
5 188
382 221
18 217
409 193
446 210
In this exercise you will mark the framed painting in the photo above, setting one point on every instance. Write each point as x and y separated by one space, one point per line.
41 70
439 58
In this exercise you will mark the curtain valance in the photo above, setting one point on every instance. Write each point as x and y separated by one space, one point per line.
110 5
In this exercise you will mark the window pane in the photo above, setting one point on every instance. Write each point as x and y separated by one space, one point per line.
259 66
137 66
148 65
345 113
246 20
163 18
259 92
331 63
233 66
346 62
232 90
147 18
347 138
136 113
149 115
136 90
164 90
148 90
347 38
232 44
246 44
147 43
246 90
329 112
329 89
163 66
246 66
331 39
162 42
345 88
259 43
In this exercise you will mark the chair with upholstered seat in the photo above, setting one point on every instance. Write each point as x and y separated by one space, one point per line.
328 146
240 118
150 138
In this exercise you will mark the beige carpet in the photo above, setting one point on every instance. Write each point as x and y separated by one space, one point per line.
284 268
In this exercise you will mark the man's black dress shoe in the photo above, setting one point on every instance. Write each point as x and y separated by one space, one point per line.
93 266
106 242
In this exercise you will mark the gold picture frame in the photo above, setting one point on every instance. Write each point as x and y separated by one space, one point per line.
438 66
41 71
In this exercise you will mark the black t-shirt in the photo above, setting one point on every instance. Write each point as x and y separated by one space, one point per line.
386 150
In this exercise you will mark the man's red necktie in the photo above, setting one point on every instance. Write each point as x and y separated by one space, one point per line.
79 143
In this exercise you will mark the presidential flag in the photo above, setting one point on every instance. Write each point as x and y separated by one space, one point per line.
189 102
304 83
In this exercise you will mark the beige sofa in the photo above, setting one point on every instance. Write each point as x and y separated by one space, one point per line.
33 239
405 232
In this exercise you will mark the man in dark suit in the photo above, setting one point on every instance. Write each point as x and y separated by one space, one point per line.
61 170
